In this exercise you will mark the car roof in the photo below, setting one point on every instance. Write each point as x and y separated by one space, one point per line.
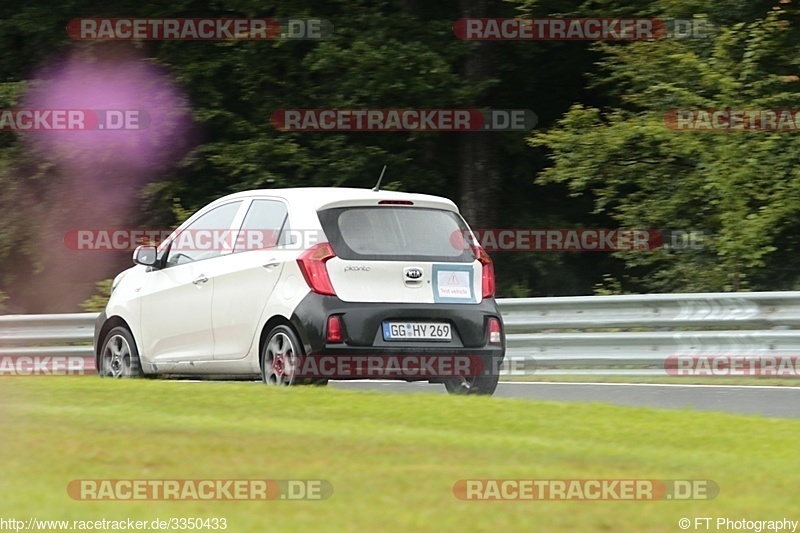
328 197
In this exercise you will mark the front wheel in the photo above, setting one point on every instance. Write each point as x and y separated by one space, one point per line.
119 357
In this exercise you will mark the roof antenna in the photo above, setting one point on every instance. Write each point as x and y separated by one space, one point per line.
377 186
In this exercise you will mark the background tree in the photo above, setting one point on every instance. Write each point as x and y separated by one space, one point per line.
739 188
601 156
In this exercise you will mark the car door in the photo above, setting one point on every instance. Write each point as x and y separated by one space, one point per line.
176 299
247 277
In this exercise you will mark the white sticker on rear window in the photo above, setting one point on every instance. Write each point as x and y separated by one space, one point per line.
453 284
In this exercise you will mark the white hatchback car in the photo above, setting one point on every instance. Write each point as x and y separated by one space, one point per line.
299 286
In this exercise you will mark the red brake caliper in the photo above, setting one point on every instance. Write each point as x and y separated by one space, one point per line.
277 366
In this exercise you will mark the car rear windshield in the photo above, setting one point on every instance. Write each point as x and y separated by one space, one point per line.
395 233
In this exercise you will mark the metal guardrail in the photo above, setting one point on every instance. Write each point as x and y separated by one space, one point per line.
576 335
751 310
564 335
47 335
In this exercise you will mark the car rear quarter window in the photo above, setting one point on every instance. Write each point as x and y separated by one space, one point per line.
263 225
396 233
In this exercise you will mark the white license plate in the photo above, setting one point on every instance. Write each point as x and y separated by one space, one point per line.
401 331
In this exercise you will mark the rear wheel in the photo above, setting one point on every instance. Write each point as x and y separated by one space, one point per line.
119 357
280 357
485 385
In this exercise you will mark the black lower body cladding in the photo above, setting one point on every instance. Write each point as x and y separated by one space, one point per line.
362 333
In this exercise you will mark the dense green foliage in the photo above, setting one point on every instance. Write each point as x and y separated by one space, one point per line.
600 157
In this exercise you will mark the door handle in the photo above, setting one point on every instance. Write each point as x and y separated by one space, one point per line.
201 279
272 263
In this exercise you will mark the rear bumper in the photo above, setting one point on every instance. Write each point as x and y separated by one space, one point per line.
365 354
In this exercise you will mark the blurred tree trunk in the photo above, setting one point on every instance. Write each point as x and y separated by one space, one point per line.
479 169
410 7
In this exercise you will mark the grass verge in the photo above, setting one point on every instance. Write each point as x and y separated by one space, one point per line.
392 458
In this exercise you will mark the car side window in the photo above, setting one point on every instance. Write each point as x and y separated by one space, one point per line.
263 226
206 237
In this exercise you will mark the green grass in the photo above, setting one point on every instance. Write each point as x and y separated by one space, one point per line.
392 458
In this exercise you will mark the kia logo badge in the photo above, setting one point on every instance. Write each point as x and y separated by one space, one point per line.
413 273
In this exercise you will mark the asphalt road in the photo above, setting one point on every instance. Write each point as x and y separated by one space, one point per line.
780 402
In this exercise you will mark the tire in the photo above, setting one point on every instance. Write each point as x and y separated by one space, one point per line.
280 357
483 385
119 357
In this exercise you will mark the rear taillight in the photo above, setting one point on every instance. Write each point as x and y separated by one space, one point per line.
334 329
312 265
495 334
487 279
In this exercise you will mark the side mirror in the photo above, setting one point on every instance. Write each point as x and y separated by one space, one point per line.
145 255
